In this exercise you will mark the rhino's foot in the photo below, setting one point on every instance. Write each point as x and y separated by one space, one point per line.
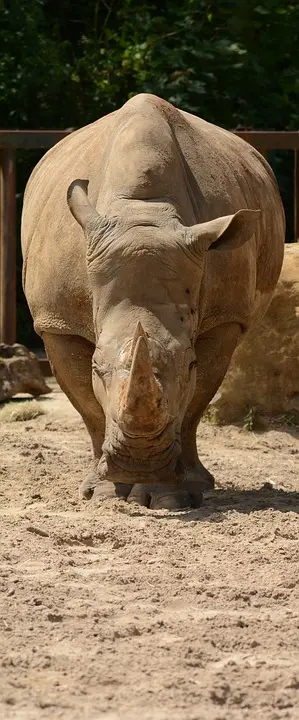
157 496
93 487
200 475
167 496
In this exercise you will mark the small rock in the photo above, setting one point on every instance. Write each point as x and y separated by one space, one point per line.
54 617
269 485
20 373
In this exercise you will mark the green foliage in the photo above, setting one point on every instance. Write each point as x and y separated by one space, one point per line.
291 420
64 63
250 420
211 417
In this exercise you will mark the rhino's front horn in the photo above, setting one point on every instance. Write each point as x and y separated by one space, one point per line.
142 407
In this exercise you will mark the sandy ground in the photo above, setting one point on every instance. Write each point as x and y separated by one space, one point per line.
122 613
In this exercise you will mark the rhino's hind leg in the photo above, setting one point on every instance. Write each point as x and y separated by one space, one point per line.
70 357
214 350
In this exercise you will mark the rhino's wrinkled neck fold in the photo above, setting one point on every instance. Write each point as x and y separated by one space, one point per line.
152 212
118 442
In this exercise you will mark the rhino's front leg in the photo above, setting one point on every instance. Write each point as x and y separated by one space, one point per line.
70 357
214 351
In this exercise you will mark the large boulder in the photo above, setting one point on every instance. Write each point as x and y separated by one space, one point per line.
19 372
264 373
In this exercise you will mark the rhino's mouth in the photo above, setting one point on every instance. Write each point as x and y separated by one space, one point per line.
131 459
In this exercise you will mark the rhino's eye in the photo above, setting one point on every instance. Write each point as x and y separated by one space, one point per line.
96 368
192 365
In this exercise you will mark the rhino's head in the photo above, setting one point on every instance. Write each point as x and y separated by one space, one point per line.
145 276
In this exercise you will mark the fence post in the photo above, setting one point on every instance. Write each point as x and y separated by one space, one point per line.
264 153
8 245
296 196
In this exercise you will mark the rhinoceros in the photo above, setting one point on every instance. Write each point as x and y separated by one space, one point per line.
152 241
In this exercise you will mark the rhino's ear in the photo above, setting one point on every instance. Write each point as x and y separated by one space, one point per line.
223 233
81 207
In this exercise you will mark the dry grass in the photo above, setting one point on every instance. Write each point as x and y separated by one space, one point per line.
211 416
20 411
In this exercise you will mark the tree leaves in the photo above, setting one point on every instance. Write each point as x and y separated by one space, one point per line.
65 63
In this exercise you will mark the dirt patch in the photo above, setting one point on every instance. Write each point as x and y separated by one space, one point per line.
122 613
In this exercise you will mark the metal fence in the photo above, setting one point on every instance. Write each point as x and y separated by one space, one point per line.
12 140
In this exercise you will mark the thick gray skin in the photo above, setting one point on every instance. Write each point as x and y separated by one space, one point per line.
178 268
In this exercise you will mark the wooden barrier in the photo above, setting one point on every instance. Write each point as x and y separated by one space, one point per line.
11 140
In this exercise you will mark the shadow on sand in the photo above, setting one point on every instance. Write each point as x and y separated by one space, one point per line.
217 503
